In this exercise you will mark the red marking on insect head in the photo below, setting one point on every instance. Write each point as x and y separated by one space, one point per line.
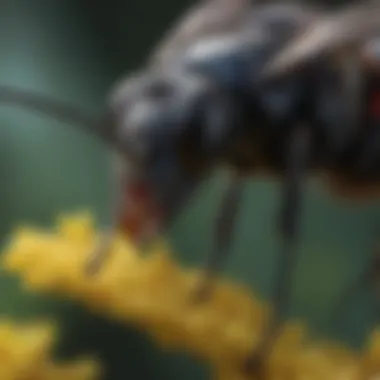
142 214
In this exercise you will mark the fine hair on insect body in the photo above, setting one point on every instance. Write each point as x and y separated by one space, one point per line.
283 90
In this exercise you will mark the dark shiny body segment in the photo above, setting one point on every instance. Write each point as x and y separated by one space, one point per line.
358 167
268 110
281 90
351 158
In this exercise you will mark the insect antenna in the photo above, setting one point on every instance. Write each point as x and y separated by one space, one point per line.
101 127
58 110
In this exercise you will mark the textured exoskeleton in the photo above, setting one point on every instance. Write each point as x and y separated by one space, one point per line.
284 90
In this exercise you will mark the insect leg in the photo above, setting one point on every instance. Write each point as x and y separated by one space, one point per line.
296 166
224 227
99 255
98 126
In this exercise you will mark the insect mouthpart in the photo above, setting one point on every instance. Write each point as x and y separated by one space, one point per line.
142 217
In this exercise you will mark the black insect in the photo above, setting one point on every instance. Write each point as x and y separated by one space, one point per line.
284 90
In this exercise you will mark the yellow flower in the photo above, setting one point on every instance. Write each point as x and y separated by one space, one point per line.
25 355
154 293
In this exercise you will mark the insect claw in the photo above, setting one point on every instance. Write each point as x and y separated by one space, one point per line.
98 256
93 265
95 262
255 365
203 292
256 362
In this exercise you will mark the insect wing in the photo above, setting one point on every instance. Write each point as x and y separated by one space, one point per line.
334 32
205 19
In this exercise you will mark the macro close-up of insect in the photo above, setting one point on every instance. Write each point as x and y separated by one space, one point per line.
284 90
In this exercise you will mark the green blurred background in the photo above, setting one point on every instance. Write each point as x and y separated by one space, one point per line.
75 50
